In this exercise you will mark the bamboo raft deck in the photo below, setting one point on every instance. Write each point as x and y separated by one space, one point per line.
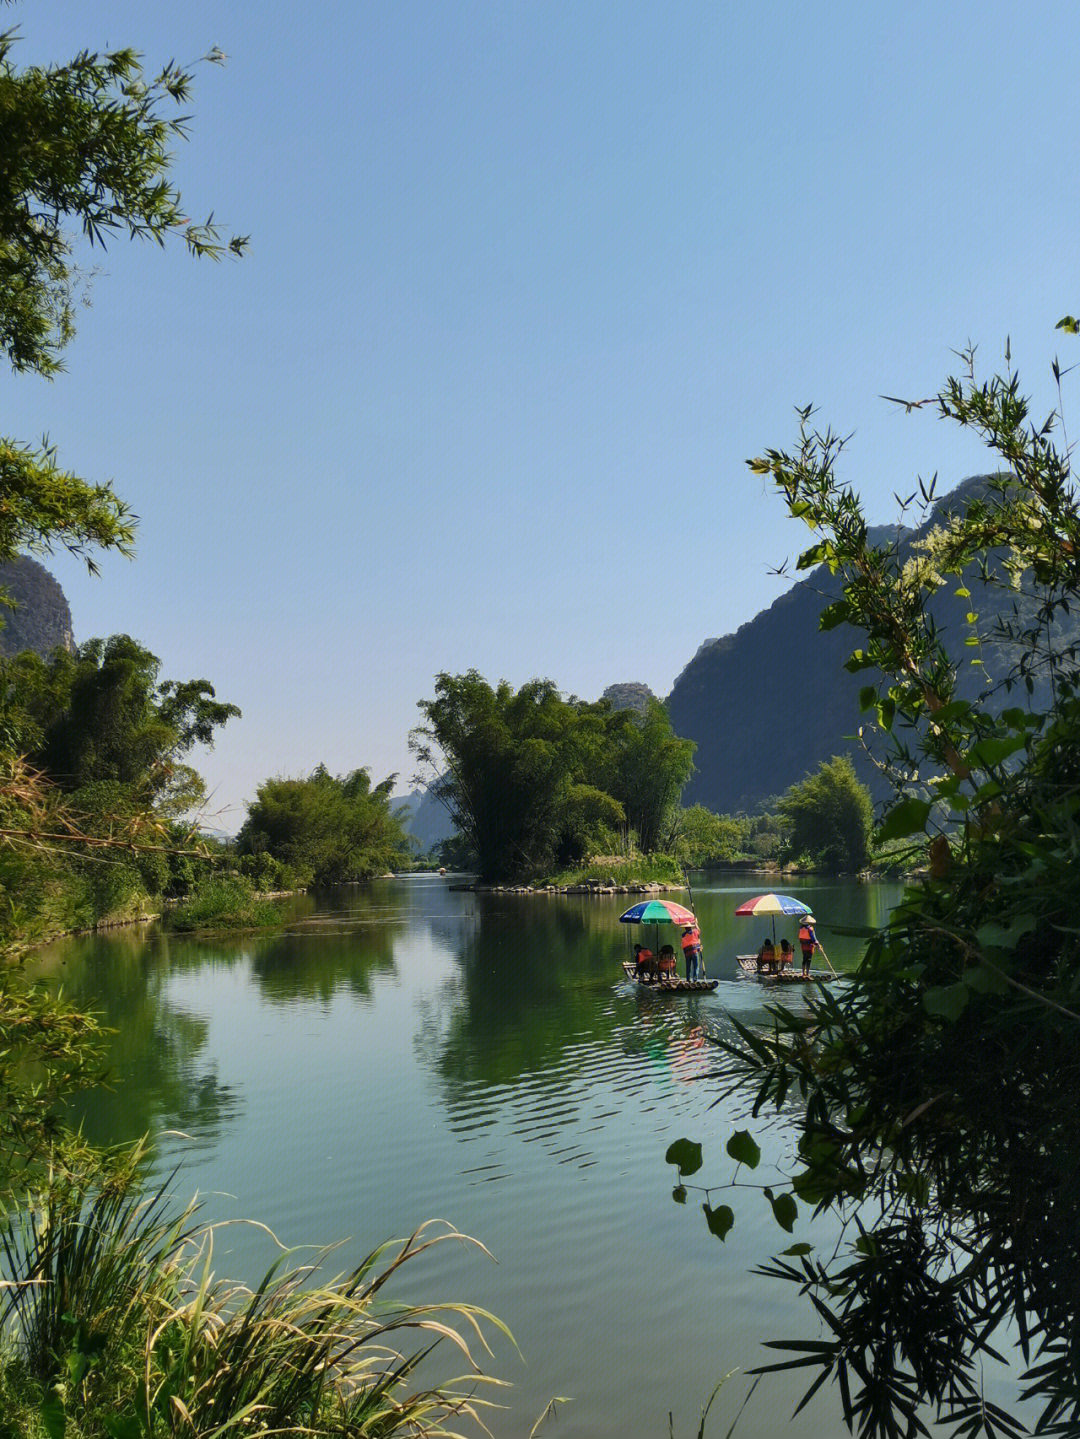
748 964
674 985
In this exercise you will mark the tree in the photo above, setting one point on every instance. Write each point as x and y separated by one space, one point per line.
645 768
829 817
939 1085
327 829
85 151
705 838
516 771
101 715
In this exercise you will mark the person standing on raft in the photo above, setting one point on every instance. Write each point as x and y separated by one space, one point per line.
807 943
691 948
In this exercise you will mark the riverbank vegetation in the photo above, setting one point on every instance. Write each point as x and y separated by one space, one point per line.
117 1329
224 901
322 830
825 823
545 789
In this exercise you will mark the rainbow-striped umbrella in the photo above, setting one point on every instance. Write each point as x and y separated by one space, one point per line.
774 904
657 911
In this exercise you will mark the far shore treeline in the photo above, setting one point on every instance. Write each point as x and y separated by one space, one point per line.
540 788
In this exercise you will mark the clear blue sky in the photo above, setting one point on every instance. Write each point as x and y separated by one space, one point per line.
527 284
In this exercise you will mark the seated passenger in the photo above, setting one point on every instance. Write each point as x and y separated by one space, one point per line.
644 962
666 963
766 957
787 954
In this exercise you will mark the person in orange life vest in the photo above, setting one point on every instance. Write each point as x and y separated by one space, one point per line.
807 942
787 954
644 962
666 963
691 948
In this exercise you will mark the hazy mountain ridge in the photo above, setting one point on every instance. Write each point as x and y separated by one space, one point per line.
768 703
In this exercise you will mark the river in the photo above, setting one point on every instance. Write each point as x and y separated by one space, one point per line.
406 1051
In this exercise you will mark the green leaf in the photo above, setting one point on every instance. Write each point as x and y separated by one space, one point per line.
785 1211
993 751
907 817
744 1149
679 1194
834 614
916 1187
1004 936
1069 324
798 1249
719 1220
985 981
946 1001
812 1187
867 697
686 1154
963 593
122 1426
53 1415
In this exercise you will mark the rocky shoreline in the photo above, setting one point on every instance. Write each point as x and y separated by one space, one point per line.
587 886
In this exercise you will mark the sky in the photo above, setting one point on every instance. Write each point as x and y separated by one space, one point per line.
527 284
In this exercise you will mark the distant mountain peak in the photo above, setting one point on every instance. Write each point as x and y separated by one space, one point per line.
41 618
629 696
771 701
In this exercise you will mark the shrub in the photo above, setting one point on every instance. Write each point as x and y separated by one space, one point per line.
226 901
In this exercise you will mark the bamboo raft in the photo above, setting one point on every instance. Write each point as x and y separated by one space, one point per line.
669 985
748 964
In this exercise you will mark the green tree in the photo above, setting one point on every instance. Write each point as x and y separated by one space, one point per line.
516 771
645 768
939 1084
705 838
829 817
101 716
86 150
328 829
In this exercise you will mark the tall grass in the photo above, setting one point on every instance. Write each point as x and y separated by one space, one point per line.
111 1307
636 869
223 902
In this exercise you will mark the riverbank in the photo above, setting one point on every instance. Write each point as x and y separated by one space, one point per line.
589 886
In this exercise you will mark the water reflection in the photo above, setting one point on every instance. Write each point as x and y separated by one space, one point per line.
160 1077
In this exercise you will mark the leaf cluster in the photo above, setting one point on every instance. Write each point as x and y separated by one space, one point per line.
85 150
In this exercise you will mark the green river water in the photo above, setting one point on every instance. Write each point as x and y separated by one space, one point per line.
406 1051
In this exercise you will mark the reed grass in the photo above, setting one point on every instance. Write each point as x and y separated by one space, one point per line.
112 1314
